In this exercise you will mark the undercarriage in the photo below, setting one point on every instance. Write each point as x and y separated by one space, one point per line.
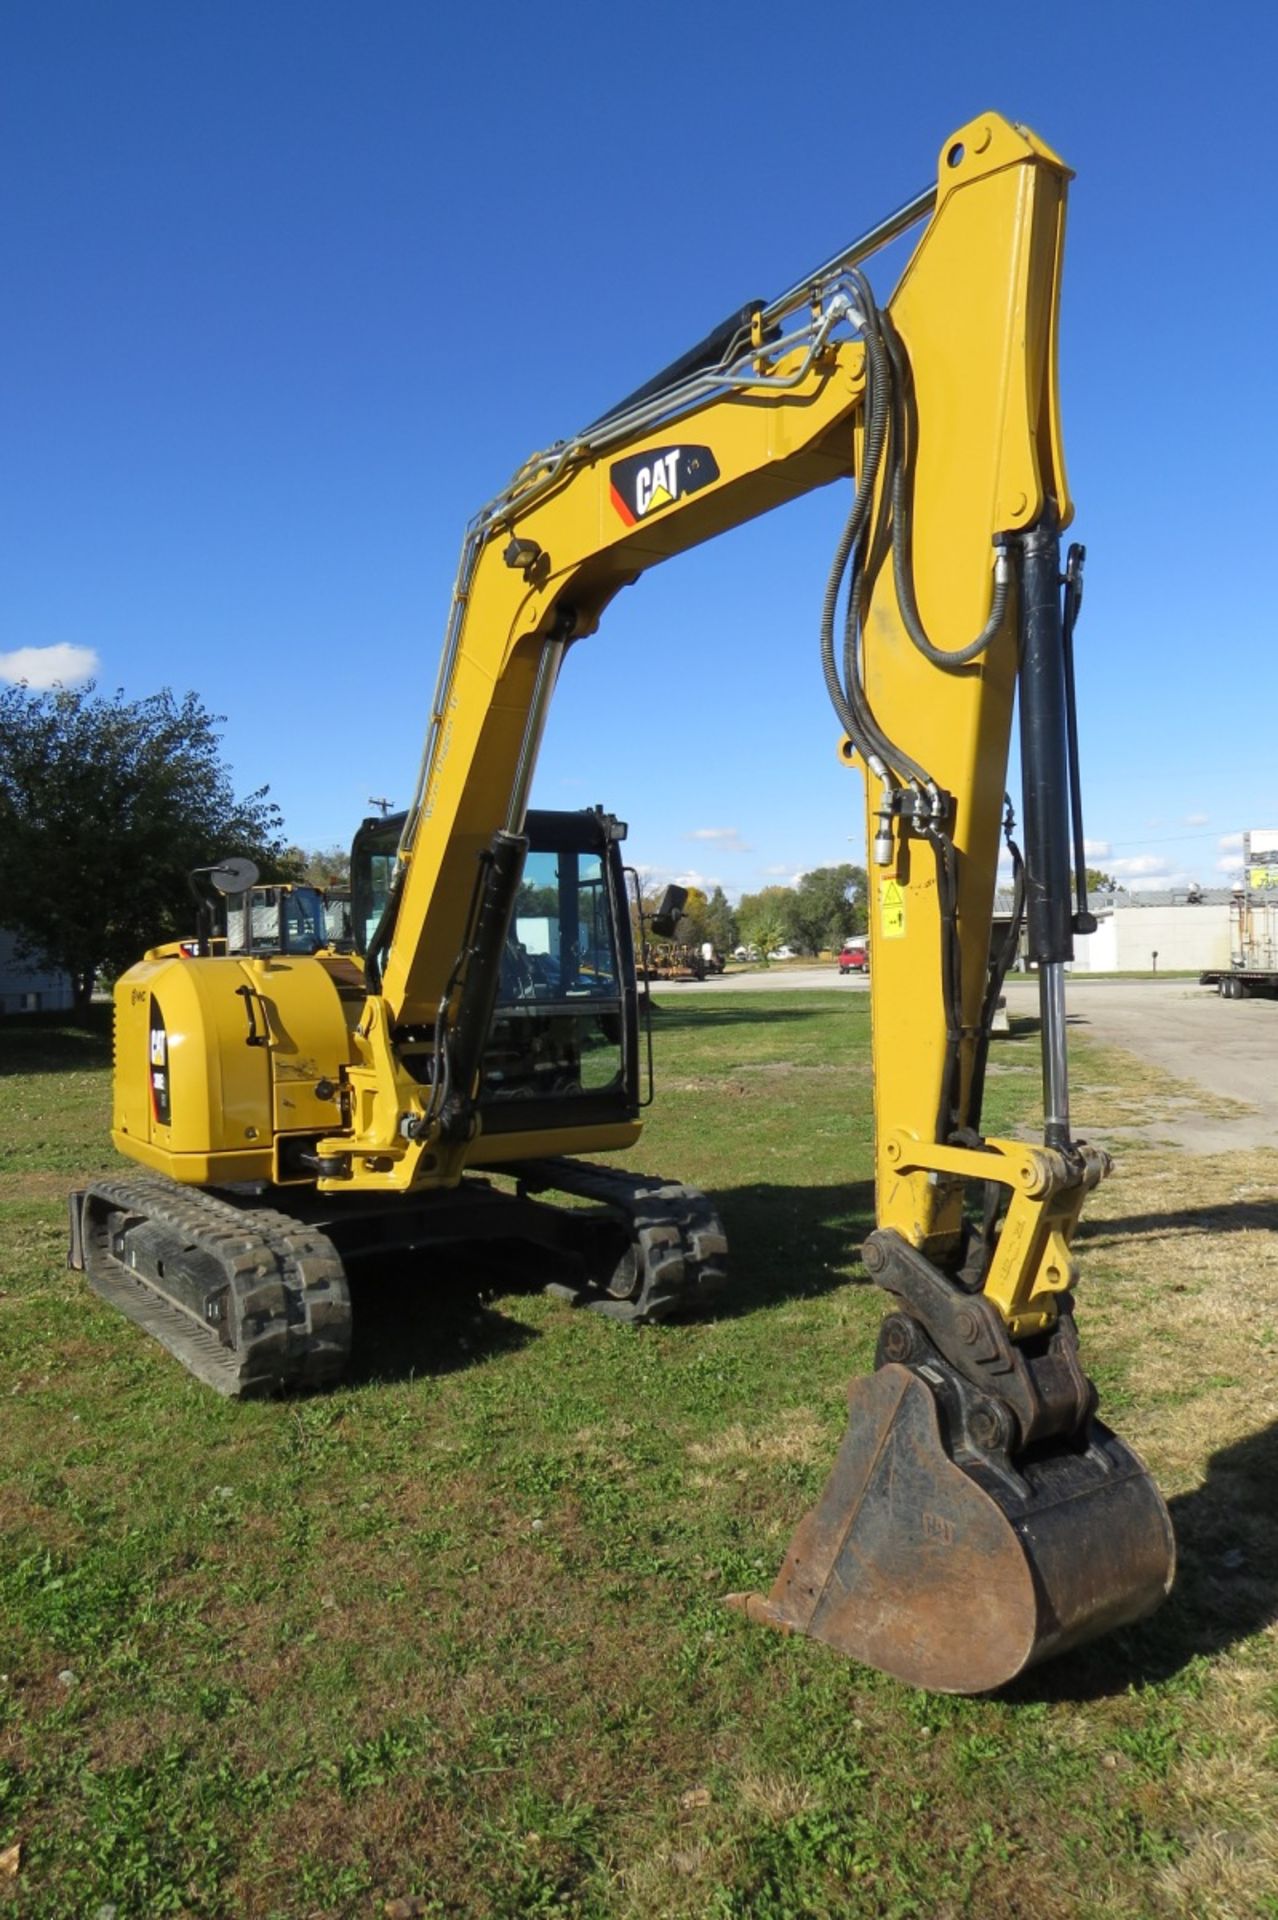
256 1300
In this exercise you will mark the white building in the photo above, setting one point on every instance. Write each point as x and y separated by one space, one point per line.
27 986
1157 932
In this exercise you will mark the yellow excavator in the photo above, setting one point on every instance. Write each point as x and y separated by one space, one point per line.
296 1111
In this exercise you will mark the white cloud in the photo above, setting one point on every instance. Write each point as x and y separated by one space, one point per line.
1096 846
778 873
1197 819
44 667
654 876
1228 840
729 838
1147 873
663 876
1232 863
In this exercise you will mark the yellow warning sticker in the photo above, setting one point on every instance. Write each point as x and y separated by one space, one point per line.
891 910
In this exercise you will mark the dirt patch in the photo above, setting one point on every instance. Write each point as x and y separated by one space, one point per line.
799 1437
33 1184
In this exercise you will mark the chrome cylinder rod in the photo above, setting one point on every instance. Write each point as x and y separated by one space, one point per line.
1051 1006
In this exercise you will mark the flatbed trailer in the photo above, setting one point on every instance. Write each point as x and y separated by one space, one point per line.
1243 983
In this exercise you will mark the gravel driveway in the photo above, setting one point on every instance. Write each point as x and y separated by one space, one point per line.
1227 1047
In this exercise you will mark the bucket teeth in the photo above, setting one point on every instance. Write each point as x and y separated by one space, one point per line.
955 1577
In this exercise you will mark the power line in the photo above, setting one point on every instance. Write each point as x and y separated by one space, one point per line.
1165 840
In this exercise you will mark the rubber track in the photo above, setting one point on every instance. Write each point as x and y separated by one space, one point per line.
290 1306
677 1263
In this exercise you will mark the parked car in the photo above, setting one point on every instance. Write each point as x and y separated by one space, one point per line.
783 953
855 957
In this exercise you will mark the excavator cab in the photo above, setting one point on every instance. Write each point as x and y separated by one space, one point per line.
564 1038
563 1045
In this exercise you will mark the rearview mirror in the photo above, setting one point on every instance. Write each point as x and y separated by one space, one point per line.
234 876
666 918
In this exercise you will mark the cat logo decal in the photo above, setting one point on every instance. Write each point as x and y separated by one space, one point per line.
644 483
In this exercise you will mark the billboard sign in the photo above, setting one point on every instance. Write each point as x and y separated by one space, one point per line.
1262 858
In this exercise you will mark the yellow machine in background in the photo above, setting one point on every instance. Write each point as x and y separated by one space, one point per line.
979 1516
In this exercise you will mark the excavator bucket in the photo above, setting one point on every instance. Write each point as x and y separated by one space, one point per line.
954 1575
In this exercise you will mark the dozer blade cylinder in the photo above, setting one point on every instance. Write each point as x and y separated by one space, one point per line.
956 1577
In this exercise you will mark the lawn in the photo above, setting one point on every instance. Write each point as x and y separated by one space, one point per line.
450 1639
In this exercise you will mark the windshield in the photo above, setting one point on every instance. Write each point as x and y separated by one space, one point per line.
557 1028
372 872
276 920
560 943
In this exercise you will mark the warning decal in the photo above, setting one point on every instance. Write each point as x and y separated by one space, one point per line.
891 910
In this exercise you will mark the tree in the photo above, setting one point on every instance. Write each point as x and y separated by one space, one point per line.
1098 882
720 922
321 867
766 918
829 904
105 807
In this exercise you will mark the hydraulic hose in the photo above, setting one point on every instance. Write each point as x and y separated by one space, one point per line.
847 695
902 528
874 540
863 544
875 432
1084 919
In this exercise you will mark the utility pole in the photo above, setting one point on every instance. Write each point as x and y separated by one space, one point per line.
384 805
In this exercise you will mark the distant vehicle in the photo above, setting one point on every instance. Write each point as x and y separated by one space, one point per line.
783 953
855 957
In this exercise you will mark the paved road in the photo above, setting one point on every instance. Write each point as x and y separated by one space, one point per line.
1227 1047
771 980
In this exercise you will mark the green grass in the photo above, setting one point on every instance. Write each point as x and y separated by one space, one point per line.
1135 975
455 1631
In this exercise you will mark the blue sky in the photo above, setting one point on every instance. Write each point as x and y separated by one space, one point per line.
293 287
